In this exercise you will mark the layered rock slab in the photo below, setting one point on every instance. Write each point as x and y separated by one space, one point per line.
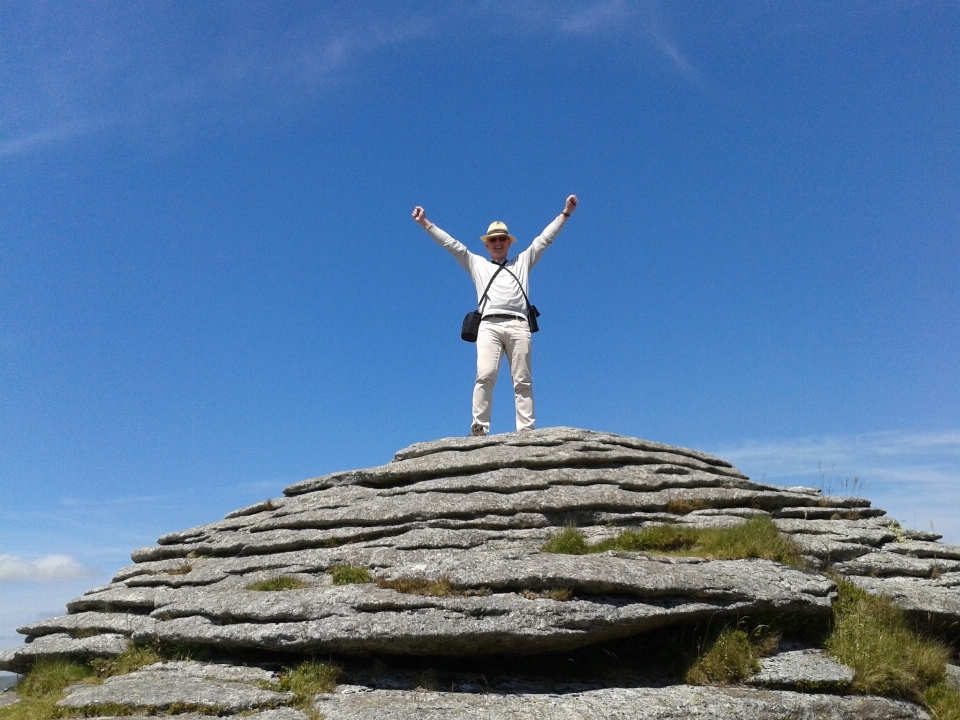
679 702
158 688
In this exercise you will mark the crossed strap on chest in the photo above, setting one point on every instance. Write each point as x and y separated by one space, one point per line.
503 266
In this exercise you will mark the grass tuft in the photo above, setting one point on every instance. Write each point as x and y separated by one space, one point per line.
758 537
568 541
733 656
182 570
284 582
871 635
308 679
943 701
42 686
730 659
349 574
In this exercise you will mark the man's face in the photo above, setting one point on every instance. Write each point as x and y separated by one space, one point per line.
498 246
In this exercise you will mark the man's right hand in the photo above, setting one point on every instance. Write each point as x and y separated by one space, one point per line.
420 217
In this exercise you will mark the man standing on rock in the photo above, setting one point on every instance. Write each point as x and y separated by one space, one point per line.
505 327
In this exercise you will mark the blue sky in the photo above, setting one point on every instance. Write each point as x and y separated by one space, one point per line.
211 287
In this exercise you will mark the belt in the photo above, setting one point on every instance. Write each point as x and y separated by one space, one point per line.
502 317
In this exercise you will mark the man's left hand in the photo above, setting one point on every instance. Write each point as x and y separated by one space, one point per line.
571 205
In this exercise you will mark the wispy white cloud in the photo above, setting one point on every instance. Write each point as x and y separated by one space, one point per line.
914 476
929 457
31 141
137 65
49 568
589 18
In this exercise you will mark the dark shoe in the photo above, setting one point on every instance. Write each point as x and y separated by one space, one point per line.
478 431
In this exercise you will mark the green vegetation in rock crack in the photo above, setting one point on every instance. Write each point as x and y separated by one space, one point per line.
685 506
182 570
758 537
427 680
284 582
349 574
558 594
568 541
897 529
307 680
133 658
871 635
440 587
849 515
42 686
81 633
732 657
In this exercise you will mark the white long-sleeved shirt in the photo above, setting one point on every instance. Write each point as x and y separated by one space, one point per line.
504 297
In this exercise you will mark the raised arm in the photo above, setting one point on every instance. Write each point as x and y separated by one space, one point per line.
543 240
454 247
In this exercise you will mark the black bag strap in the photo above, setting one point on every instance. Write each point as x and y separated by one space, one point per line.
483 298
525 299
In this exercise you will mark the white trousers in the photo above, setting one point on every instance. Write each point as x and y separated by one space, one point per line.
498 337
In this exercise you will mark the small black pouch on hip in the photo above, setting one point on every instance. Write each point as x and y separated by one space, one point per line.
470 327
532 316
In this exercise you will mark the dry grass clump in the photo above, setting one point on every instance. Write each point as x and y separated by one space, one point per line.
440 587
558 594
349 574
182 570
308 679
758 537
871 635
284 582
685 506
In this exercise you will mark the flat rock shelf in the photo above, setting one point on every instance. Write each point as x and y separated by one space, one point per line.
444 544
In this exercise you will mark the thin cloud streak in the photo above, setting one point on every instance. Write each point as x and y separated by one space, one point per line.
48 569
913 476
32 141
587 20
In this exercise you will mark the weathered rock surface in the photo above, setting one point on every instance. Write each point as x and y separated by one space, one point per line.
470 515
808 670
679 702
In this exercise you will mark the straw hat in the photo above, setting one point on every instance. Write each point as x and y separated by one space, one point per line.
497 228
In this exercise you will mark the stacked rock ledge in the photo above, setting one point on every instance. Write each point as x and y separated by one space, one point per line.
470 516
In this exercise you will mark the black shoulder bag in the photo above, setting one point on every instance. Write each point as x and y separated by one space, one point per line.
471 321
